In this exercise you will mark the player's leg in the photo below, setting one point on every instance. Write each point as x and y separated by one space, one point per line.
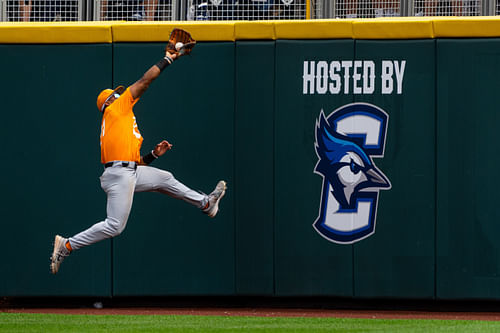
119 184
151 179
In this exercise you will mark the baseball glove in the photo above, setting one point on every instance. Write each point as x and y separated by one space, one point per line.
180 42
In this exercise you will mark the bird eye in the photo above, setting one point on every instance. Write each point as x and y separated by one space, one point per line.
355 168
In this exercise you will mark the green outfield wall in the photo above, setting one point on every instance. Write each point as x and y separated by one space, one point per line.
292 115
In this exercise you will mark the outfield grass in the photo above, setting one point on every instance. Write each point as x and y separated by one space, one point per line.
16 322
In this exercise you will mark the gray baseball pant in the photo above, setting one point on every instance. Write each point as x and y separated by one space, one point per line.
120 183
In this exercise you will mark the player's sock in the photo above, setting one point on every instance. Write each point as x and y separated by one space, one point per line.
68 246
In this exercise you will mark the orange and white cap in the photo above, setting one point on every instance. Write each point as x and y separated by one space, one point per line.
106 94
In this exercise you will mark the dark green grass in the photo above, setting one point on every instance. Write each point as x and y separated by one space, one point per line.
15 322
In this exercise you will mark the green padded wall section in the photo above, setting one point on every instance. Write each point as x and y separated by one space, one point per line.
468 261
254 150
170 247
51 167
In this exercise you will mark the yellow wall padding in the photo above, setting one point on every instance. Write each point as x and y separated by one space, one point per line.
159 31
393 28
483 26
55 33
320 29
380 28
254 30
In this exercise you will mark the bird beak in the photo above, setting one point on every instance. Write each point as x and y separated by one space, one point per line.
377 178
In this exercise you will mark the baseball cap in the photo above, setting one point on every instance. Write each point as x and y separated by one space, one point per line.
106 94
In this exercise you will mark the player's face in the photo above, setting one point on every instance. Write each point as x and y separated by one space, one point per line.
111 99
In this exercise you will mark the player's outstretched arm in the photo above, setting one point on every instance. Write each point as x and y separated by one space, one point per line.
140 86
180 43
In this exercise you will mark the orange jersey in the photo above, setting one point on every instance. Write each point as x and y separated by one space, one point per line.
120 136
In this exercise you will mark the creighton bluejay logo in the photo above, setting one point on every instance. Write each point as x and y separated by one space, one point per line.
345 143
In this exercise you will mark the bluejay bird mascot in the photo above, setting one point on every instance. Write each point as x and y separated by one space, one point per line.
345 165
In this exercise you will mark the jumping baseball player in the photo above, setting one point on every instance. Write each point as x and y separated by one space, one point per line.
125 170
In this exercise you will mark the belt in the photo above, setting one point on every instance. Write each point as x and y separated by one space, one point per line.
125 164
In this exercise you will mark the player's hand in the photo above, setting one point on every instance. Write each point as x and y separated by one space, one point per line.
162 148
170 55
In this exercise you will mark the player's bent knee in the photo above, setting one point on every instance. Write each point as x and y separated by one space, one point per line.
114 227
166 176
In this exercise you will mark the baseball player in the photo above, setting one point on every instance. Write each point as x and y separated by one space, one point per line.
125 170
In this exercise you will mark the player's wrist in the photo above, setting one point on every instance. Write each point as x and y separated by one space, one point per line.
163 63
147 159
